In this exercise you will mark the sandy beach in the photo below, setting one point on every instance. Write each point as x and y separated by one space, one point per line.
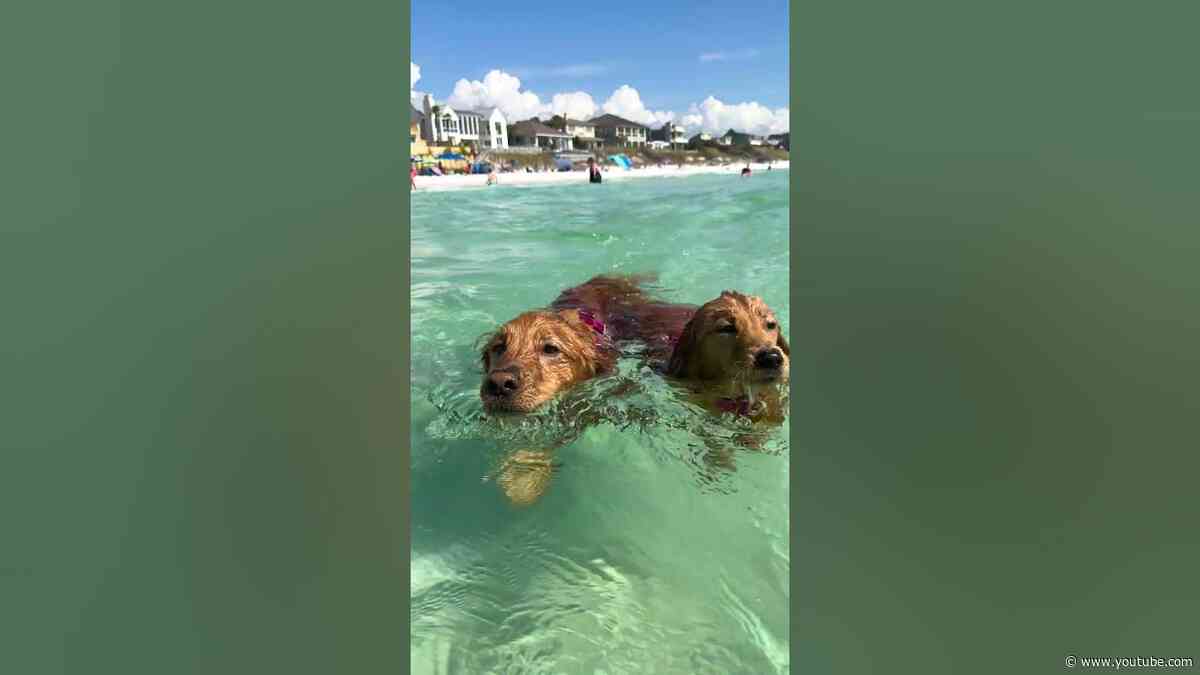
521 179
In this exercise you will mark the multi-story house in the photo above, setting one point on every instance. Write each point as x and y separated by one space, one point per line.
583 134
619 131
671 133
494 132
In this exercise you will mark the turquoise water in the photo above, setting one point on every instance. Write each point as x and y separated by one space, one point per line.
636 560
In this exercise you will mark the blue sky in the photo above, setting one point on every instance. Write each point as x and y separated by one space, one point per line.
673 53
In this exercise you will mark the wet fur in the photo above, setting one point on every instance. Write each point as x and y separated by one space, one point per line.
680 339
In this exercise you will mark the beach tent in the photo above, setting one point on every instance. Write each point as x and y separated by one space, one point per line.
621 161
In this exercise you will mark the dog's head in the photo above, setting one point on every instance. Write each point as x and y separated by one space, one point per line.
530 359
732 338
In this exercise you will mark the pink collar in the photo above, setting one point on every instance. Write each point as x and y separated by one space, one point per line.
595 324
591 321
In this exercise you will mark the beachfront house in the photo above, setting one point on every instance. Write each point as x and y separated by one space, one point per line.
783 140
532 133
670 133
658 145
494 132
727 139
736 138
757 140
416 143
613 130
441 125
583 134
471 126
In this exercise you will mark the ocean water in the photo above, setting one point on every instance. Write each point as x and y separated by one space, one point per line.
637 559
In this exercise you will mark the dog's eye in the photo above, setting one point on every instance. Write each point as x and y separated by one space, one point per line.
771 325
498 349
728 329
549 349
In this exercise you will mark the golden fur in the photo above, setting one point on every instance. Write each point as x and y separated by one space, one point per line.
537 355
729 347
724 338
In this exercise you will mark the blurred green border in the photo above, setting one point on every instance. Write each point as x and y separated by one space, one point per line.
995 283
204 373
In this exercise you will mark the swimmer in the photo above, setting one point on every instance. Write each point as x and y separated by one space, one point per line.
746 171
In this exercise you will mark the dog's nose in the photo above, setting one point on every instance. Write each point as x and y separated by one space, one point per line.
770 358
501 383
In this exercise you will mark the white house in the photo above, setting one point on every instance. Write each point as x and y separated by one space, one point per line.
441 123
583 134
494 133
471 125
672 134
658 145
444 124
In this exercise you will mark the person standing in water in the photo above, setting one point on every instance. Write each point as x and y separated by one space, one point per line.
593 171
492 180
746 171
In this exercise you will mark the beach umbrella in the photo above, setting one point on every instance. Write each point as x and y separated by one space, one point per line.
452 156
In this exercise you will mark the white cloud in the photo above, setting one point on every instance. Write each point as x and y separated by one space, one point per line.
575 105
414 96
503 90
626 102
566 70
498 89
714 116
735 55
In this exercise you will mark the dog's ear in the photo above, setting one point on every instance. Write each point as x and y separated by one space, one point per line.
782 343
571 316
481 346
682 354
586 347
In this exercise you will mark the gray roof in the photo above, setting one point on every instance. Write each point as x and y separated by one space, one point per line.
609 120
530 127
417 115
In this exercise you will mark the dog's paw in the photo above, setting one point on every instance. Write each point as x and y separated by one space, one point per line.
525 476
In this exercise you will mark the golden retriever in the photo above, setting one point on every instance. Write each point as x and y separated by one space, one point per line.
729 351
541 353
732 347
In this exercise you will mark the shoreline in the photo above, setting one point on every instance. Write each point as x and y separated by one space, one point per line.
518 179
